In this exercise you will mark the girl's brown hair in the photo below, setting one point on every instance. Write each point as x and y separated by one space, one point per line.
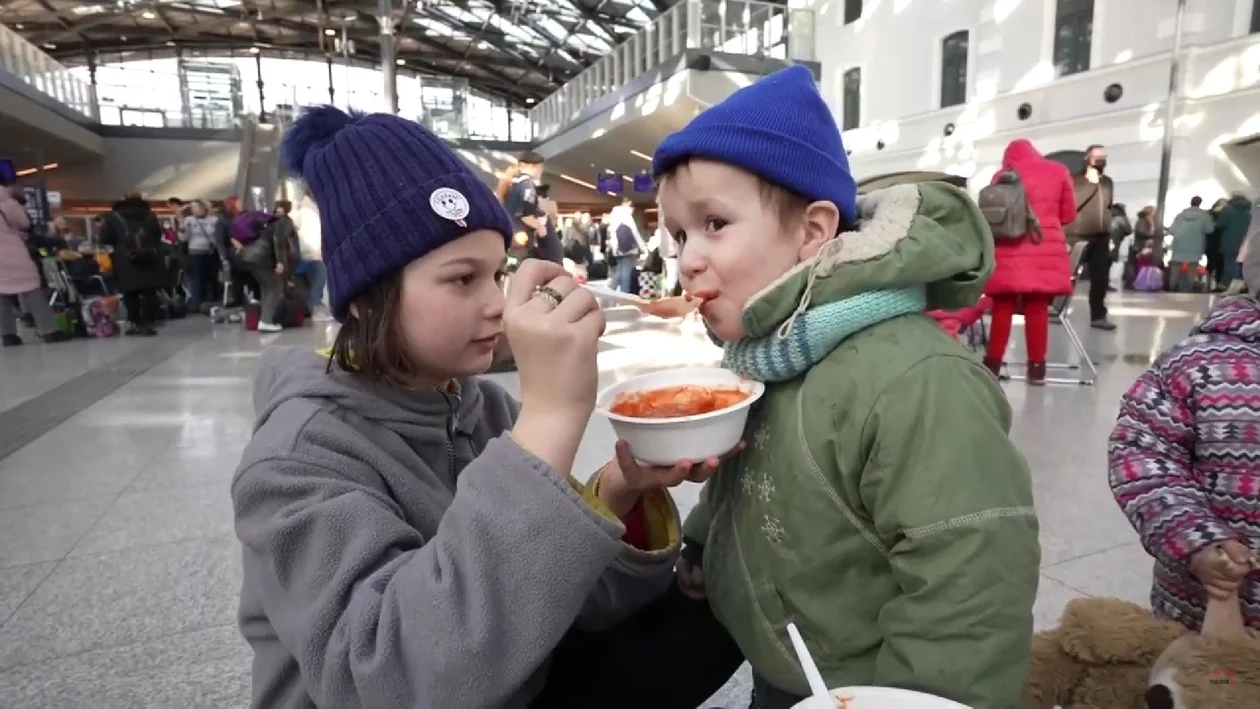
370 342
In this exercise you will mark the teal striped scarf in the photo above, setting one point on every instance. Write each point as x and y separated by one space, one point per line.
812 334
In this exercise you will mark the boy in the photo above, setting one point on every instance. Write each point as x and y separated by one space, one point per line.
880 504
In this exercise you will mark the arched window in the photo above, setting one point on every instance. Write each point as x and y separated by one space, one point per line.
852 11
1073 35
852 99
954 69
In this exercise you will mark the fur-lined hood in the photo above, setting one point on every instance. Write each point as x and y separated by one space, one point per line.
930 234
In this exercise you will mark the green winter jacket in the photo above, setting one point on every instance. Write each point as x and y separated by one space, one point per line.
880 504
1189 232
1234 221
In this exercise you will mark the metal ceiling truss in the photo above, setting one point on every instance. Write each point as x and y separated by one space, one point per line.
517 49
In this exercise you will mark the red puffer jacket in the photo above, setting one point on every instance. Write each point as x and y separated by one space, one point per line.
1044 267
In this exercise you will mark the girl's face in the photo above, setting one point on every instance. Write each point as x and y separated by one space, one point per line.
198 209
451 306
732 241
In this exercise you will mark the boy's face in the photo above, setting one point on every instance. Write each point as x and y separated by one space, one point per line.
732 242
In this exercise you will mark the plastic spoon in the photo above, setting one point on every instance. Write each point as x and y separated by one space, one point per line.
822 697
615 295
672 307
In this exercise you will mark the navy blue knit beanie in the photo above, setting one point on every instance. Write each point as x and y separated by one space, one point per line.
388 190
780 130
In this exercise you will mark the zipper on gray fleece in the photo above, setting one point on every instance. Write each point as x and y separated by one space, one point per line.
452 405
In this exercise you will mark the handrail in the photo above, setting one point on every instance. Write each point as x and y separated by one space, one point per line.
30 64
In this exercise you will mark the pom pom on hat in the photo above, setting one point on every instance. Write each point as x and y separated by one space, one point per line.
780 130
316 126
389 191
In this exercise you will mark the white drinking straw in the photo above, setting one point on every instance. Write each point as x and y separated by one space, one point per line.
816 684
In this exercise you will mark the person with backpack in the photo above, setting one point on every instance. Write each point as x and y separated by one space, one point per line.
1027 205
139 256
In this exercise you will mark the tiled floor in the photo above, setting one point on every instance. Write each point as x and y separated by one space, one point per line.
119 572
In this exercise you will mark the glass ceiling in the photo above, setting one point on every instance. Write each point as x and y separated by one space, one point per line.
535 30
548 40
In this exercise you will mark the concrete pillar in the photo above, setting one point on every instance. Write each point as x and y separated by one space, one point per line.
389 70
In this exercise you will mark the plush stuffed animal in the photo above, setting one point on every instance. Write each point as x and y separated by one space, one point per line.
1099 657
1218 668
1112 654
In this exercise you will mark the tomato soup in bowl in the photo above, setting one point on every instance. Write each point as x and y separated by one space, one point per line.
680 414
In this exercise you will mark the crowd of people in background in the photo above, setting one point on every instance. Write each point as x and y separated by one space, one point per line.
227 256
611 247
206 256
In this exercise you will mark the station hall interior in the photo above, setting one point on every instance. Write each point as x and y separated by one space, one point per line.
120 568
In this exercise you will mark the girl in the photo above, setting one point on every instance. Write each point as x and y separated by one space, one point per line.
412 536
1147 238
1182 462
1032 271
207 256
880 505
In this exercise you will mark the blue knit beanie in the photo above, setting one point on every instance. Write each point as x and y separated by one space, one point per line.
780 130
388 190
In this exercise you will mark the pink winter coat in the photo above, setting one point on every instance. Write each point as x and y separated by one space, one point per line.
1044 267
17 269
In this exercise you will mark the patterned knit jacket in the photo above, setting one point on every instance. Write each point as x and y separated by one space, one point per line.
1185 456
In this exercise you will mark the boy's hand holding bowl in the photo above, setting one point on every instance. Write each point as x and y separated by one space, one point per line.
662 444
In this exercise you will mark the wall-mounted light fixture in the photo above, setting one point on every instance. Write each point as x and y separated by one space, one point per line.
576 181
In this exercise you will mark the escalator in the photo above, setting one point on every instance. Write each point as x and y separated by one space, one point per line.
258 180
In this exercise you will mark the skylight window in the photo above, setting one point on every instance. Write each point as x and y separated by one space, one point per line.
638 16
522 34
216 6
555 29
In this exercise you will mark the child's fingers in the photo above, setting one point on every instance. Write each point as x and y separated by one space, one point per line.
695 593
1237 553
691 581
704 471
1221 593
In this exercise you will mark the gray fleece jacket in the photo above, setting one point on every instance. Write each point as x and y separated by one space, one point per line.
401 551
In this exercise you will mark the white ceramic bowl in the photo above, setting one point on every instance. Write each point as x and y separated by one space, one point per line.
882 698
666 441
